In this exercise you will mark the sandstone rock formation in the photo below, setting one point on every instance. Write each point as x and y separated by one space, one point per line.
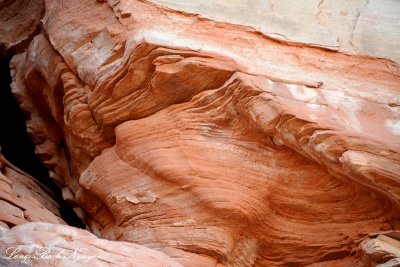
62 245
19 20
370 27
208 137
23 199
382 250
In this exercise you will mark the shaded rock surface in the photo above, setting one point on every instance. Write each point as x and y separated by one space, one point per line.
23 199
210 138
19 20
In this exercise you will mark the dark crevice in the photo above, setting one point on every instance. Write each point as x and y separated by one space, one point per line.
17 147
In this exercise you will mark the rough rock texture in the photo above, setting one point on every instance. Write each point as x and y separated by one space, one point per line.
213 142
382 250
23 199
19 20
62 245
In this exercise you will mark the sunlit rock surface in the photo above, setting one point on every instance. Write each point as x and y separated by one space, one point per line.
212 139
62 245
381 249
368 27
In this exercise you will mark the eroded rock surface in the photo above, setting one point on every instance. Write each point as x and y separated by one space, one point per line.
382 249
23 199
212 142
62 245
19 20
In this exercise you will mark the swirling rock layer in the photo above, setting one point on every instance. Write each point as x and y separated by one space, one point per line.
210 141
217 184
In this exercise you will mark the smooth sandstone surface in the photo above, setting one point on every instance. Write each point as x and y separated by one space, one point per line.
63 245
368 27
218 137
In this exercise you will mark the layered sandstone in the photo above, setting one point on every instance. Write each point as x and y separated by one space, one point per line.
23 199
62 245
205 136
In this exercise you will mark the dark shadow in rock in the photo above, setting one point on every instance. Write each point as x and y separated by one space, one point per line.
17 147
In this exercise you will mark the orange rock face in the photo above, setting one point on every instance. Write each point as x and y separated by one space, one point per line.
212 142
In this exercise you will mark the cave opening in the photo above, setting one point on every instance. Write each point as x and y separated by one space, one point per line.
18 148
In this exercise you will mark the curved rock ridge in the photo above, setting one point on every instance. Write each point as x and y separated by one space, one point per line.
98 44
63 245
209 141
23 199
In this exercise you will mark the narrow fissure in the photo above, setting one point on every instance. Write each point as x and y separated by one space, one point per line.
18 148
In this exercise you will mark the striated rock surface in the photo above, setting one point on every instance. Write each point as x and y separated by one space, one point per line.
207 137
23 199
62 245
